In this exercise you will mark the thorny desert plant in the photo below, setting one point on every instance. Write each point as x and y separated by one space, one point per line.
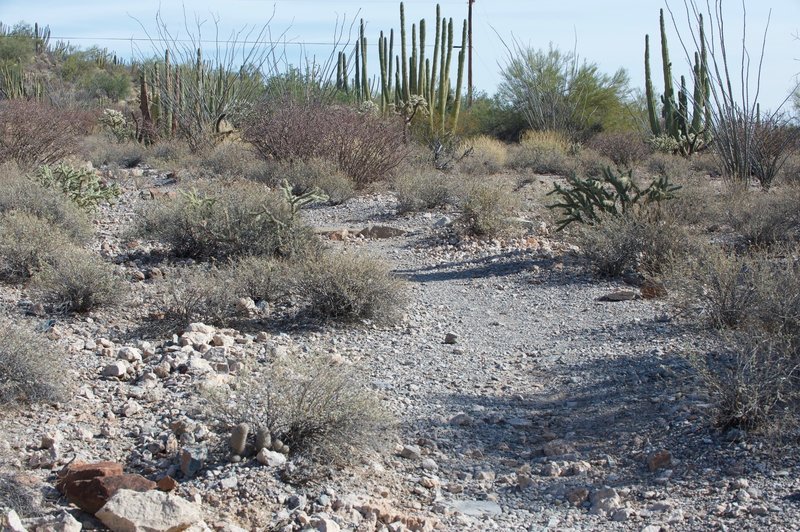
117 125
77 281
323 412
349 287
33 133
585 200
19 193
81 185
221 221
487 206
32 369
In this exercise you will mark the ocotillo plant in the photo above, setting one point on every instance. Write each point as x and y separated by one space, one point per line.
687 134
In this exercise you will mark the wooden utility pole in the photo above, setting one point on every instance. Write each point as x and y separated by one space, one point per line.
469 66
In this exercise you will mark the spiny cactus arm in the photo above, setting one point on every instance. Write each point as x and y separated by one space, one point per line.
655 126
421 73
404 54
460 78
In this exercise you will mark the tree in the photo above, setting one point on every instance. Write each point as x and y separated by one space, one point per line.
554 90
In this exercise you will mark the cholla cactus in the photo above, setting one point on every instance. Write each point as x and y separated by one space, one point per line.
116 123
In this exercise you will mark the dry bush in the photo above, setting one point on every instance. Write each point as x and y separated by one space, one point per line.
418 190
323 412
698 203
26 244
319 173
103 151
32 368
365 147
766 219
171 153
790 172
19 193
625 149
349 287
548 140
705 164
545 154
218 220
487 206
16 495
488 156
264 278
230 160
34 133
77 281
753 382
645 243
673 167
590 163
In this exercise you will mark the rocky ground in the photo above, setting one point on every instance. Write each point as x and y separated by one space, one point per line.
524 401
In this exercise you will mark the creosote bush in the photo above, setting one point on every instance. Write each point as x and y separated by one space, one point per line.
219 220
323 412
32 368
487 206
348 287
418 190
76 281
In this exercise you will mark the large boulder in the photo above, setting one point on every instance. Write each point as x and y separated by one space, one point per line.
150 511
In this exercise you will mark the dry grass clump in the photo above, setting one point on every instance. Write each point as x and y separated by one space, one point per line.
101 150
27 243
230 160
547 140
15 495
625 149
488 156
319 173
219 220
790 172
590 163
487 206
322 412
32 368
77 281
348 287
34 133
644 243
418 190
22 194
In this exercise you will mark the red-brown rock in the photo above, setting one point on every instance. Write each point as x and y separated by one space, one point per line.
91 495
76 471
167 484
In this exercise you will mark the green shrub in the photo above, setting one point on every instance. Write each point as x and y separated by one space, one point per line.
27 243
32 368
221 221
349 287
323 412
81 185
19 193
487 207
77 281
418 190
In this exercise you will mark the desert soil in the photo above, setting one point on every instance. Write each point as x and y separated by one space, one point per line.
546 408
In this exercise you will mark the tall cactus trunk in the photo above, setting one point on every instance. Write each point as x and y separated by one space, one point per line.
434 64
403 54
652 115
462 54
364 75
444 91
668 98
422 79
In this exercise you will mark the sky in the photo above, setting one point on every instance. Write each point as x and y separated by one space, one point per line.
609 33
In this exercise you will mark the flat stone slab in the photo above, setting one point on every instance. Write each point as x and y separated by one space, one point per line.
476 508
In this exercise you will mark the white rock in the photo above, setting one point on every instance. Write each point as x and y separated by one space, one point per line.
129 354
63 522
323 523
116 369
149 511
195 338
12 522
270 458
201 328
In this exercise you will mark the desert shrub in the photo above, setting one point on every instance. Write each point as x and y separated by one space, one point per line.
625 149
705 164
673 167
488 156
203 295
81 185
365 146
173 152
422 189
231 159
590 163
15 495
543 152
319 173
767 219
26 243
34 133
348 287
322 412
218 220
102 151
790 171
32 368
487 206
636 243
19 193
263 278
77 281
753 382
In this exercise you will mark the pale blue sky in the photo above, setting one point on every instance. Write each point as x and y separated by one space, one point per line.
608 32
